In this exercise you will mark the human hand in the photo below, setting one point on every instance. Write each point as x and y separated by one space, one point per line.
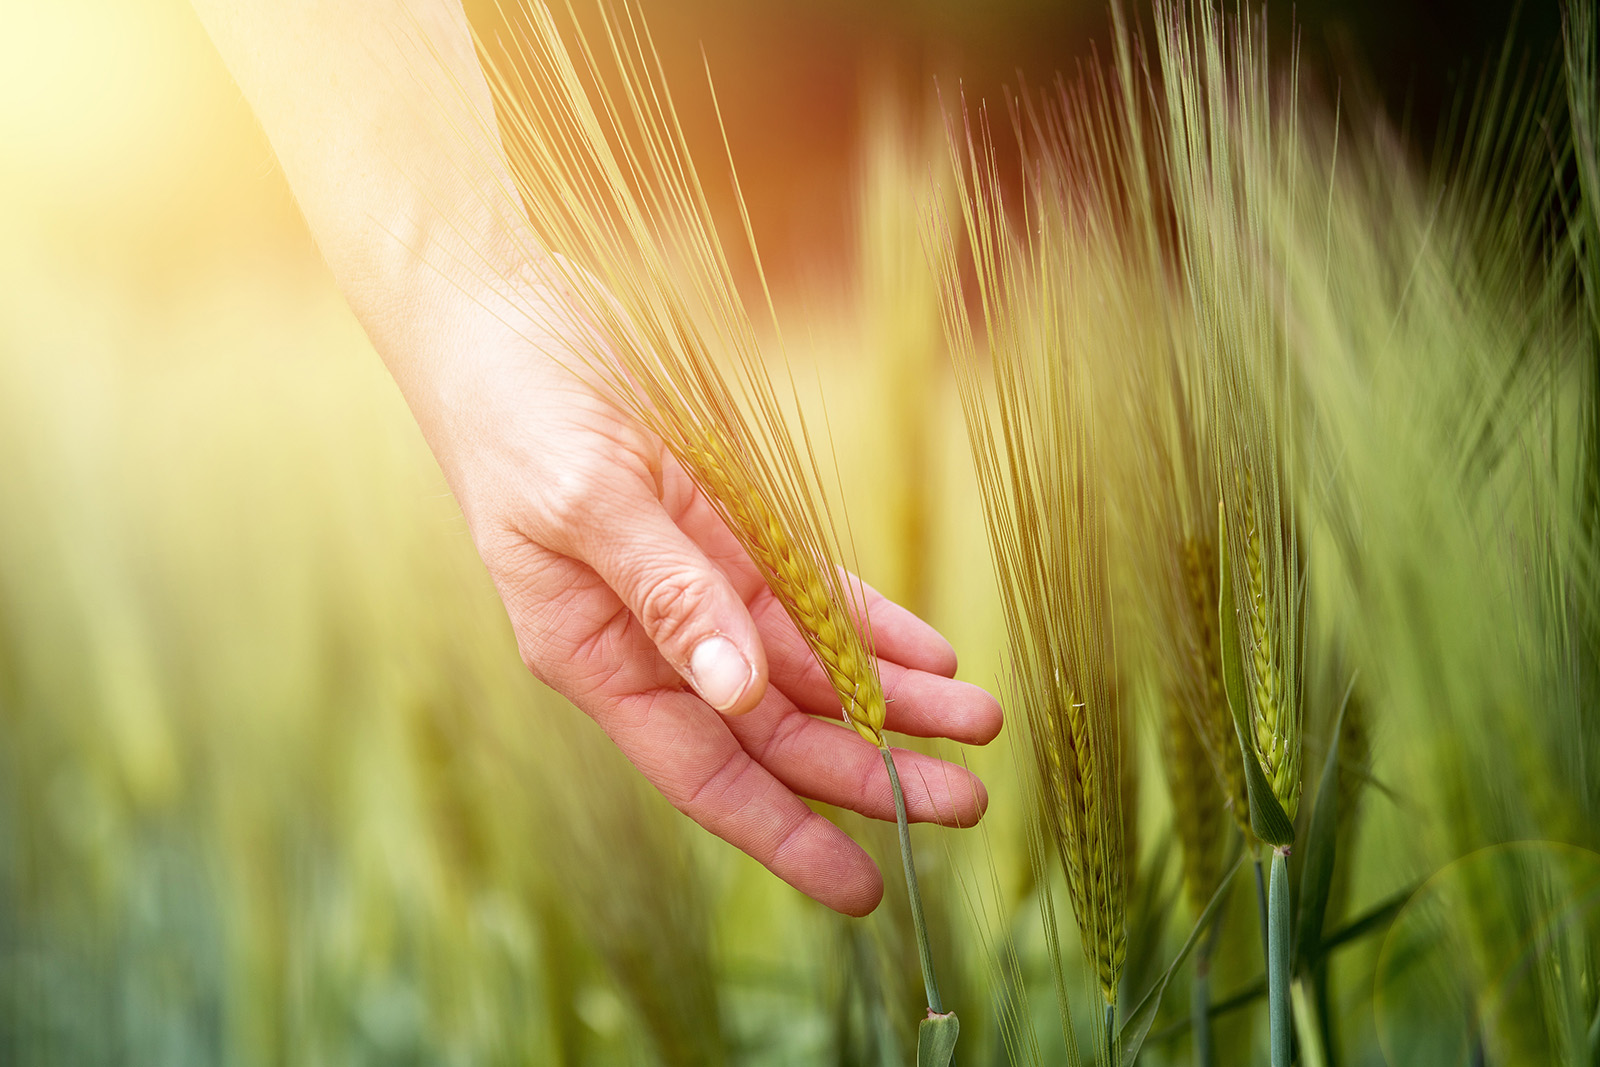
622 584
620 580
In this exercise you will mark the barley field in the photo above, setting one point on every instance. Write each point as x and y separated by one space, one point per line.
1243 439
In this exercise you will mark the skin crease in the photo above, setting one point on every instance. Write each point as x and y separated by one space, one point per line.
612 567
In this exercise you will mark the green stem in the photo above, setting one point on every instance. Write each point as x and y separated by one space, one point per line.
924 952
1111 1034
1312 1053
1278 958
1200 1014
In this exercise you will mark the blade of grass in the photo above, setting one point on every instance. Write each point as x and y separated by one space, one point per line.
1307 1026
1320 856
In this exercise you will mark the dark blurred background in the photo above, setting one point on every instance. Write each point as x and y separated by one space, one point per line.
793 75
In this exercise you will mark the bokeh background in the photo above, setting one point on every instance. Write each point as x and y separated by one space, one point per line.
274 787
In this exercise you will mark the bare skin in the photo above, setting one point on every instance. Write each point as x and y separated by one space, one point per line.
626 592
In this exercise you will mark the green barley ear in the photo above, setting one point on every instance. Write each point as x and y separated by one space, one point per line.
1200 694
1231 150
1031 423
1260 634
1269 819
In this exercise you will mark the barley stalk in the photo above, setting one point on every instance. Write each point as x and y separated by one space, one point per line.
1278 959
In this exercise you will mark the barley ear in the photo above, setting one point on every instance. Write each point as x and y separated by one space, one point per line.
1197 811
1277 730
1268 820
795 575
1204 694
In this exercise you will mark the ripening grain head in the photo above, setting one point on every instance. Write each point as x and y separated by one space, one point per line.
1231 143
611 216
1031 424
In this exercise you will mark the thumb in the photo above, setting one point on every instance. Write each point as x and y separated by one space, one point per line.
683 602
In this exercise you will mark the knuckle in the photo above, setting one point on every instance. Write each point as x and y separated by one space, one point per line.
572 493
671 602
785 735
534 649
711 793
794 835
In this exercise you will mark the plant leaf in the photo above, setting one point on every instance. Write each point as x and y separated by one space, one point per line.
1376 917
1316 876
936 1039
1267 818
1137 1026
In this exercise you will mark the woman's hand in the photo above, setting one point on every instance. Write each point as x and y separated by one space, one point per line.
630 597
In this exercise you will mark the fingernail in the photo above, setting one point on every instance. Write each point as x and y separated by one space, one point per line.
719 673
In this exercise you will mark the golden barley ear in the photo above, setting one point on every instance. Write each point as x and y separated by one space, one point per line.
631 276
625 270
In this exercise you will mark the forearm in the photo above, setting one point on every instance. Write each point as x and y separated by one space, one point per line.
381 118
